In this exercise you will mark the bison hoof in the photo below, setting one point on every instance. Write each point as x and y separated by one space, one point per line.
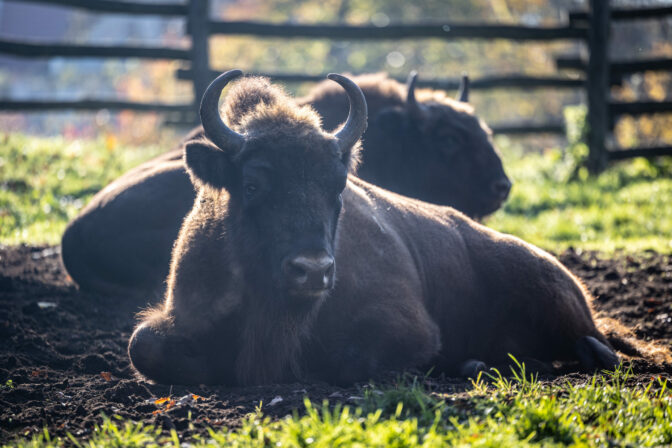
594 355
472 367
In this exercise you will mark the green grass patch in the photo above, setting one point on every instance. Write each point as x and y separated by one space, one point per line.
627 207
44 182
520 411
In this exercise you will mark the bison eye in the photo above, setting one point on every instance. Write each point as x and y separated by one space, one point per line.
250 190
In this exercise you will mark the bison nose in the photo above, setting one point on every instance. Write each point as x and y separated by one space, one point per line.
501 188
309 273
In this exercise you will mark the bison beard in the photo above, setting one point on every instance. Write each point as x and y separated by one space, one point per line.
415 284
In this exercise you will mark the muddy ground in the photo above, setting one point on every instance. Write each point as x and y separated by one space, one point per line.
65 351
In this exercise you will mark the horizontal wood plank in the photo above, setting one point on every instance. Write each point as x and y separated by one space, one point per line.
121 7
440 30
46 50
91 104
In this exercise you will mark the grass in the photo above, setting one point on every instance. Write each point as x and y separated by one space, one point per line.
625 208
600 411
44 182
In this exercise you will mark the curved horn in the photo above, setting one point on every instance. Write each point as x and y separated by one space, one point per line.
356 123
463 94
215 129
410 86
414 108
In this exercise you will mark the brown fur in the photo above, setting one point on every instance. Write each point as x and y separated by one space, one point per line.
416 284
259 106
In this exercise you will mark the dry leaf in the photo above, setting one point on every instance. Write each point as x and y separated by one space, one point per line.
107 376
161 400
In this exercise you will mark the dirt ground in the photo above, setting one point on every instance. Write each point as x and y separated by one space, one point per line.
65 351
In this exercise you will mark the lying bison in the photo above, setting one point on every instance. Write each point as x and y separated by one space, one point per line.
289 268
434 149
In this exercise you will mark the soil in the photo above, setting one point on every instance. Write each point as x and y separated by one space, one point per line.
65 351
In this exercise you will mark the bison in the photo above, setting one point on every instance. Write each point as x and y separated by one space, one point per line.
434 149
288 267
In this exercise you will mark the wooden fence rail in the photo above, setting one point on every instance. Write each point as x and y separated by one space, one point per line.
440 30
593 28
529 128
121 7
618 68
621 14
641 107
484 83
92 104
648 153
41 50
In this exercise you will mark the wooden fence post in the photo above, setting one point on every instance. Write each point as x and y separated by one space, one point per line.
198 21
597 85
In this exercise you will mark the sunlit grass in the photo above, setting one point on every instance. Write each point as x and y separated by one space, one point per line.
517 411
44 182
627 207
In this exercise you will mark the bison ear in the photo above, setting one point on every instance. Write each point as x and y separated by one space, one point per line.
208 165
352 156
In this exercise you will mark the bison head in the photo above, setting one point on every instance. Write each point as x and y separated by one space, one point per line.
451 147
284 176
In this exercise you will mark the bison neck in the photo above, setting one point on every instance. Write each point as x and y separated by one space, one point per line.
271 342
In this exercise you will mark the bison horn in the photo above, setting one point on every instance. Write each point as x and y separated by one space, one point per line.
414 109
215 129
463 94
356 124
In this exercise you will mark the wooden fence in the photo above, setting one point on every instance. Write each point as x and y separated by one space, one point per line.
593 28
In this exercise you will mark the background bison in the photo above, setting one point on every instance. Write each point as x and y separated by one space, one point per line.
434 149
422 144
270 281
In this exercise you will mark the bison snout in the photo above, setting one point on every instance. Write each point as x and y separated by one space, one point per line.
309 274
501 188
